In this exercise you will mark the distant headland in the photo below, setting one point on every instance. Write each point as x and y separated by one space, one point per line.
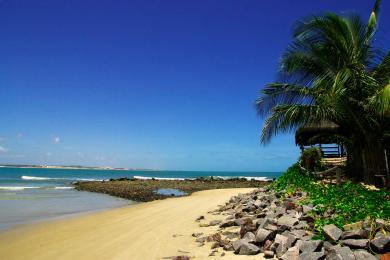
73 167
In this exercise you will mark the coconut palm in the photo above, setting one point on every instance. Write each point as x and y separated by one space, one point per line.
333 72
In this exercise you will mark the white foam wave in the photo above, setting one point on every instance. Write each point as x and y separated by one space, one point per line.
63 188
17 187
34 178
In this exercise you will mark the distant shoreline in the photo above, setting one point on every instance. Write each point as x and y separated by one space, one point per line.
63 167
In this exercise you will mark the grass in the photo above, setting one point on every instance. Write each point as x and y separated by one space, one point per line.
347 203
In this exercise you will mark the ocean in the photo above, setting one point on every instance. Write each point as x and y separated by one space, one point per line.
35 194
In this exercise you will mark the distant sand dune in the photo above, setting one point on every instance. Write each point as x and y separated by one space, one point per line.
152 230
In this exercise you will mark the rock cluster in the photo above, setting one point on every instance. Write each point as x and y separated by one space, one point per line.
267 222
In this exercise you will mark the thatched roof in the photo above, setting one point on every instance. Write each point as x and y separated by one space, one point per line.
313 133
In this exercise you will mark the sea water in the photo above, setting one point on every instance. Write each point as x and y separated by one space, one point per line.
34 194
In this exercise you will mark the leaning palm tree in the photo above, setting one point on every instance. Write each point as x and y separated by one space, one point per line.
333 72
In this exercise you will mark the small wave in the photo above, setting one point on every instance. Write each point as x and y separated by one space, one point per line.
160 178
17 187
35 178
63 188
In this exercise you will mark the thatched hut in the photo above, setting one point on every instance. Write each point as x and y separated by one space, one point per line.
323 134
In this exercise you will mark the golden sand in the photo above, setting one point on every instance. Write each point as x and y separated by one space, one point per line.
152 230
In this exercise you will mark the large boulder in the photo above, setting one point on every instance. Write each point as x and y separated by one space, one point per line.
281 243
287 220
250 237
380 244
332 232
312 255
309 246
263 234
355 243
363 255
340 253
291 254
355 234
248 249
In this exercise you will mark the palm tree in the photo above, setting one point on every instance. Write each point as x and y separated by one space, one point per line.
332 71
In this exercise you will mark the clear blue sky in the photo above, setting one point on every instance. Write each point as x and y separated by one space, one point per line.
166 84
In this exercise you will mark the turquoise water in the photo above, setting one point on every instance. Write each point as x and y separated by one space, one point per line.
34 178
30 194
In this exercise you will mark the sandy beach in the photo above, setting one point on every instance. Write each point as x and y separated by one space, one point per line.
152 230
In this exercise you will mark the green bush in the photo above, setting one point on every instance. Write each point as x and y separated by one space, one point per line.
311 158
347 203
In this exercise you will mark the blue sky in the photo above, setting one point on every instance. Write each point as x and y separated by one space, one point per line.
146 84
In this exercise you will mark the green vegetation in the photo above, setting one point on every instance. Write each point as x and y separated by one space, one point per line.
332 71
339 205
311 158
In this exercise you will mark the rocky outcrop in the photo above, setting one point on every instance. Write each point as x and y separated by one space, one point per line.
280 227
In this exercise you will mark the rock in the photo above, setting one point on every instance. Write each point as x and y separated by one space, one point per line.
230 234
354 226
226 224
197 234
332 232
355 243
340 253
281 245
181 257
299 233
301 225
380 244
289 205
312 255
355 234
248 249
306 209
309 246
243 221
247 228
269 254
287 220
291 254
228 247
237 244
214 237
308 219
199 218
291 239
213 252
267 245
273 227
201 239
363 255
250 237
263 235
215 222
265 221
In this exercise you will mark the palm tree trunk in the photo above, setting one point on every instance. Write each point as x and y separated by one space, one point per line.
373 163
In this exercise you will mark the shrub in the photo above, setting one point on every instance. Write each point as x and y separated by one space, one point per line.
346 203
311 158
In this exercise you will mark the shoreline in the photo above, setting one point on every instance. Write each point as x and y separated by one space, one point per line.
151 230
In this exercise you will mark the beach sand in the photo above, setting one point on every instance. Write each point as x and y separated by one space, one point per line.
152 230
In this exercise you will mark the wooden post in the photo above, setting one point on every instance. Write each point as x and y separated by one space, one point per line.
338 176
387 170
